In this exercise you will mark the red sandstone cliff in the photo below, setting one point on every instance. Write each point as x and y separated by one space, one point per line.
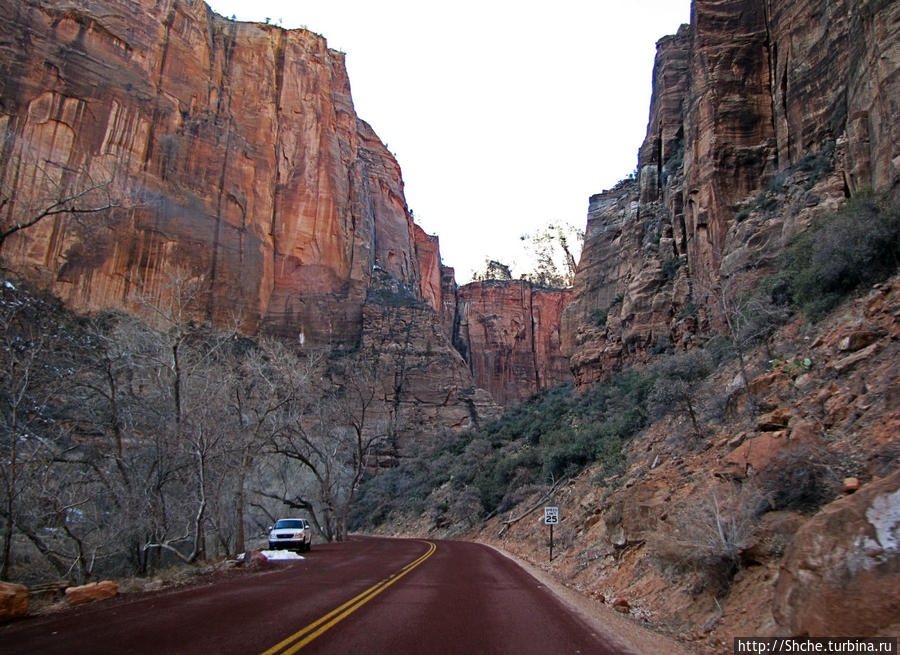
232 155
753 101
232 149
508 331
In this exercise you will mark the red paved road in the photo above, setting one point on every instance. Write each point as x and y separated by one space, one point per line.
460 598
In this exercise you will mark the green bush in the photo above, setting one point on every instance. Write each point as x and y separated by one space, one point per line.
599 317
670 267
857 246
688 311
559 432
677 385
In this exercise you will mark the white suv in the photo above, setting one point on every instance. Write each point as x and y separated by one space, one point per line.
291 534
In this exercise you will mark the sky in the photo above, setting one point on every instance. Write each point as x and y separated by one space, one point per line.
505 116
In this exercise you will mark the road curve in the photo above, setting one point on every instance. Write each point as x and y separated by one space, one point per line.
369 595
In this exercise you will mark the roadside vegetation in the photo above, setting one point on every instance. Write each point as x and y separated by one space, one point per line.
464 478
130 444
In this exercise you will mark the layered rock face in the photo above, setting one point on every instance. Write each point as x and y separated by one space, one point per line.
231 157
231 151
755 104
508 331
425 378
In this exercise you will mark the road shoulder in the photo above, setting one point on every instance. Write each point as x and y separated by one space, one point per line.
623 633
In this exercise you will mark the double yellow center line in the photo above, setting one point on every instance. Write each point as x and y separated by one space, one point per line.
299 639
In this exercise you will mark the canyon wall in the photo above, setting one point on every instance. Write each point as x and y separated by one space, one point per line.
229 150
764 115
228 156
509 333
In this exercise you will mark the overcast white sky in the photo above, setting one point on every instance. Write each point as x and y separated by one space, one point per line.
504 115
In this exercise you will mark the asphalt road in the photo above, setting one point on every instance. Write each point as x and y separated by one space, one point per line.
366 596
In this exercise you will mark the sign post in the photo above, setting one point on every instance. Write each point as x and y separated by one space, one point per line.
551 518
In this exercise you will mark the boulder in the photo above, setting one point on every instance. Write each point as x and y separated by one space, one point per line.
773 421
755 454
858 339
849 362
90 592
13 601
851 485
840 575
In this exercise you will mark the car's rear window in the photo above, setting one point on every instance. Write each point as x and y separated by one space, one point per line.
288 523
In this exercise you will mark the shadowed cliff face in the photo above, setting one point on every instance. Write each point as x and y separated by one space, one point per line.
232 149
756 104
508 332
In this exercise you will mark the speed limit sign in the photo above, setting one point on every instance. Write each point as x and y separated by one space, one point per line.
551 515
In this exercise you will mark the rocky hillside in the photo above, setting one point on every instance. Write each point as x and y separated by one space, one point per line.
807 493
766 508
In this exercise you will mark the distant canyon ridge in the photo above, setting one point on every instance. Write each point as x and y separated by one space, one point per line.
233 154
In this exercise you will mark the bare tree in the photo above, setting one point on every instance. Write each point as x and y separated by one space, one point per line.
193 387
26 425
750 319
39 188
334 438
555 248
265 381
676 385
111 402
49 493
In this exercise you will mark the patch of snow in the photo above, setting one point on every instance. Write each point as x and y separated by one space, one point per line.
280 554
9 285
273 555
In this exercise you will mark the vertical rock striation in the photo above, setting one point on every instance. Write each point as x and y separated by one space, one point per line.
231 149
755 103
509 333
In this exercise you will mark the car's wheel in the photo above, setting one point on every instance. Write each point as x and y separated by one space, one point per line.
308 547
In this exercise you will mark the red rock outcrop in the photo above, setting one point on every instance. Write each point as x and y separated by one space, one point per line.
91 592
428 255
509 333
13 601
415 366
232 151
845 559
755 104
